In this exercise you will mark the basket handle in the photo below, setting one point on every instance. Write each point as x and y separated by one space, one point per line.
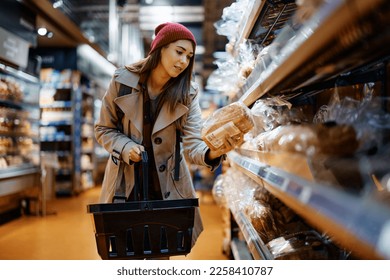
145 176
120 188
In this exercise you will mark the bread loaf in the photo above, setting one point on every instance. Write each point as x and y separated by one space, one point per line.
310 139
299 246
233 120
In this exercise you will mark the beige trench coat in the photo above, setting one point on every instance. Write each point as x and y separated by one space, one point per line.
163 139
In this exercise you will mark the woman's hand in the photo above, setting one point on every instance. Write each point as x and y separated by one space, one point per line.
135 153
228 145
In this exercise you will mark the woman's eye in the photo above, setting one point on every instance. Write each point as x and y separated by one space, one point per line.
179 52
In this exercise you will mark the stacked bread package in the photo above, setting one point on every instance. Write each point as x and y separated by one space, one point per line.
233 120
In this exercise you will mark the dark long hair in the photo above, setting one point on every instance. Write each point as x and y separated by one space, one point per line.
176 90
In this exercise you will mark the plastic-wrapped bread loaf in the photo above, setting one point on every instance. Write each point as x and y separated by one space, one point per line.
233 120
265 223
306 245
336 139
309 139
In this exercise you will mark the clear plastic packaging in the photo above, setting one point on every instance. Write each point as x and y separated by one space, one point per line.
307 245
232 15
238 190
233 120
263 221
310 140
306 9
267 113
370 116
218 190
225 78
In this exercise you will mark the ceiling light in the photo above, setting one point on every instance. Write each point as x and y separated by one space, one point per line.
57 4
42 31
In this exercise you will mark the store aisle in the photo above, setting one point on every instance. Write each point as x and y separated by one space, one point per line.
66 232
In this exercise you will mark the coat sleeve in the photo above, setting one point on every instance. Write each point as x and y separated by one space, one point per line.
106 131
195 148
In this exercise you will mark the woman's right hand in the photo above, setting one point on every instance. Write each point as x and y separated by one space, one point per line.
135 153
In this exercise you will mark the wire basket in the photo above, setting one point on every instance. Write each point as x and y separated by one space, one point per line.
142 229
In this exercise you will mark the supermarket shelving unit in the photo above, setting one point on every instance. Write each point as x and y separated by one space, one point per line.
19 133
342 40
67 131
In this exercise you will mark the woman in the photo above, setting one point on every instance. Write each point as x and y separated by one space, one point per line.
161 105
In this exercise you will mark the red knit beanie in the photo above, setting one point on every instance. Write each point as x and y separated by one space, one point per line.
170 32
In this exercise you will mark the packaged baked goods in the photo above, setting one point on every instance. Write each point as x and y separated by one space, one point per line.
307 245
268 113
233 120
310 139
264 222
336 139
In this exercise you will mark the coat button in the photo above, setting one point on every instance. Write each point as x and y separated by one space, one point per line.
161 168
167 194
158 140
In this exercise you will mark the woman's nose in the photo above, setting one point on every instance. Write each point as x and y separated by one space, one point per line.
183 59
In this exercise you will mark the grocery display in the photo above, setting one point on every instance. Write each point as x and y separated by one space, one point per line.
67 112
319 101
19 140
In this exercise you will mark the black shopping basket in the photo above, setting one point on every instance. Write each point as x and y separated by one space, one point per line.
142 229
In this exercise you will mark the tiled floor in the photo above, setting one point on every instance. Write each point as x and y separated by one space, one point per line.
66 232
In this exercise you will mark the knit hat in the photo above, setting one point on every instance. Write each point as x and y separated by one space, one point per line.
170 32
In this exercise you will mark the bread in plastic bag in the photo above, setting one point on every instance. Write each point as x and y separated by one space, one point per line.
233 120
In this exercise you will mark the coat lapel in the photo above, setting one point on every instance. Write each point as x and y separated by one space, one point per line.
165 117
131 105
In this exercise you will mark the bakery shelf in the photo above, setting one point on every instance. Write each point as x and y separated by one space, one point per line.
19 124
17 180
22 170
11 104
247 22
360 224
272 17
58 104
18 73
56 138
240 250
325 46
29 134
302 58
254 243
56 123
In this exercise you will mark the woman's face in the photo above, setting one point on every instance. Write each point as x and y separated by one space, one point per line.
175 57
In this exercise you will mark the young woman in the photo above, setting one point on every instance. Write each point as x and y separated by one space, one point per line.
161 105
